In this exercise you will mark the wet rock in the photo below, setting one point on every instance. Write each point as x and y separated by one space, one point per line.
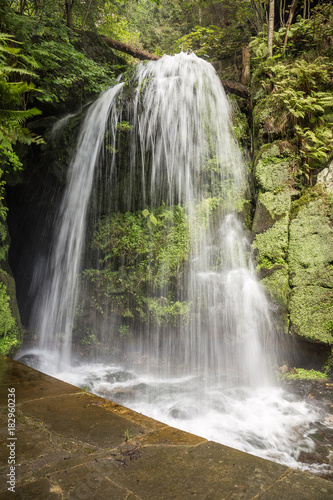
325 178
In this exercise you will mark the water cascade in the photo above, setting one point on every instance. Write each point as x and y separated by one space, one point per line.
187 324
56 302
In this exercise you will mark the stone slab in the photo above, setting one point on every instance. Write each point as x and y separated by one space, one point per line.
71 445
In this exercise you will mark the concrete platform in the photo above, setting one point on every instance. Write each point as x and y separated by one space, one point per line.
66 443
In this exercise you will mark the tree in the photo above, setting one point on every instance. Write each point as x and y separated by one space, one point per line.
69 13
290 18
271 27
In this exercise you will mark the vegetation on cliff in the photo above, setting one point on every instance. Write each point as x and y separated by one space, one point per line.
53 60
293 97
141 256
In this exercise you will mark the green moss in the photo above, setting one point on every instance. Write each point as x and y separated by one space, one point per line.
272 172
263 122
316 192
302 374
278 285
277 204
241 126
272 245
271 206
311 247
310 313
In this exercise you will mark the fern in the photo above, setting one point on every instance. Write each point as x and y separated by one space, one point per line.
12 118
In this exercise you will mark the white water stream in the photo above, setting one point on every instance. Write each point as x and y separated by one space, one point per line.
212 377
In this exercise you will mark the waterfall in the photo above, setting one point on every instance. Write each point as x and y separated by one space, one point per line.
157 186
183 121
181 132
55 307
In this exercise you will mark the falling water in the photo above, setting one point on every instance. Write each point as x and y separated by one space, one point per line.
208 374
56 303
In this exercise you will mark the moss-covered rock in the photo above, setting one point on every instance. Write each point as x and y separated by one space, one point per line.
277 282
325 177
311 313
271 245
263 123
271 220
311 247
271 251
270 208
272 173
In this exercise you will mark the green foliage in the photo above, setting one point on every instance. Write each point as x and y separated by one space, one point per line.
9 332
69 70
12 94
307 37
302 374
167 311
62 69
141 255
127 435
213 42
312 36
124 330
157 28
89 339
297 92
315 148
3 229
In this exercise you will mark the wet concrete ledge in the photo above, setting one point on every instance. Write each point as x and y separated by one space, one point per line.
67 443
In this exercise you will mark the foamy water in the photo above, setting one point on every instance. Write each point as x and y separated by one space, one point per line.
267 422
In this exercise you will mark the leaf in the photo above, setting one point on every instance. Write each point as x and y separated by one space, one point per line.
145 212
153 220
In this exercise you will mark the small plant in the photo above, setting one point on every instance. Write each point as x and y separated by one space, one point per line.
127 435
152 221
89 339
85 390
124 330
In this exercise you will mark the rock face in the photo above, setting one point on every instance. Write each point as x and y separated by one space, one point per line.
271 221
294 244
311 271
325 178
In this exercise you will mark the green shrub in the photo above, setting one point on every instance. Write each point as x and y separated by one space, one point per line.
9 332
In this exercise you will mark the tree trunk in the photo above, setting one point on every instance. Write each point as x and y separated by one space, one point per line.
86 16
246 58
69 13
271 27
132 51
22 6
236 88
290 19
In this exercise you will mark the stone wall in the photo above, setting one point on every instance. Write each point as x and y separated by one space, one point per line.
293 244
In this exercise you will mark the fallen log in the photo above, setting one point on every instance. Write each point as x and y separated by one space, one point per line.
128 49
236 88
